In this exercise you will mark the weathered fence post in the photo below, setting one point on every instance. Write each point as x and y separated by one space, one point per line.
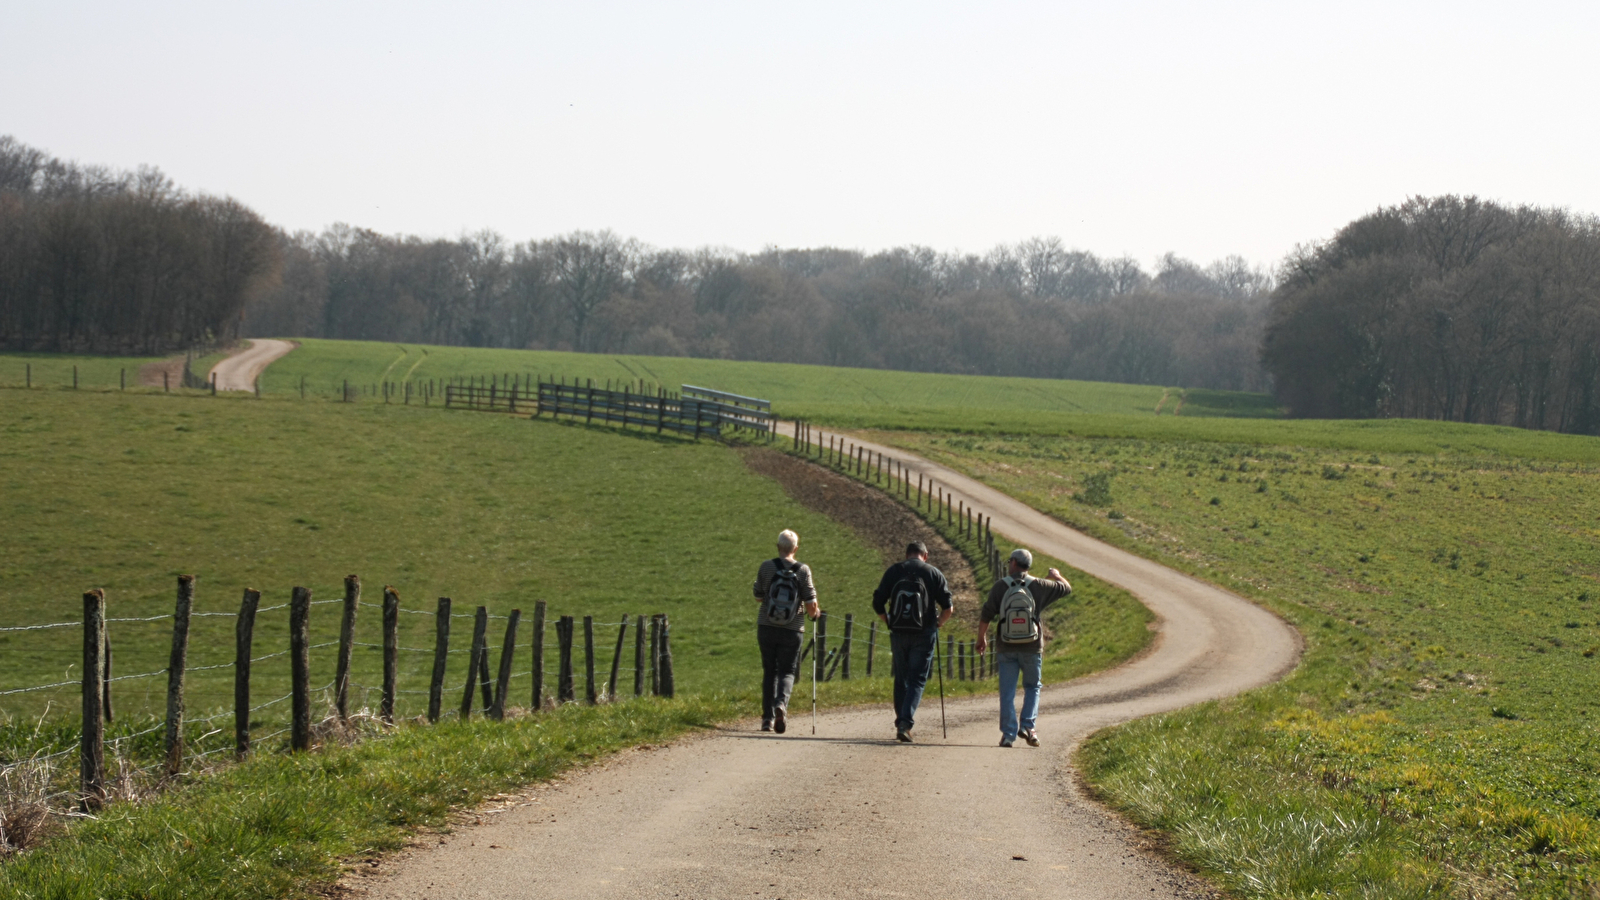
949 656
655 655
243 641
616 661
92 752
588 660
508 655
177 663
669 684
300 667
638 656
391 652
844 648
564 690
872 645
961 660
347 635
441 656
822 647
538 655
480 646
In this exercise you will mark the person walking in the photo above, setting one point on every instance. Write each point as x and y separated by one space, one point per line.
906 600
785 589
1016 602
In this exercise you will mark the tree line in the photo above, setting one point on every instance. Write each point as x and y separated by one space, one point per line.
1032 308
103 261
1448 308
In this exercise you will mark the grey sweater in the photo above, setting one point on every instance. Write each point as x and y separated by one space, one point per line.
808 592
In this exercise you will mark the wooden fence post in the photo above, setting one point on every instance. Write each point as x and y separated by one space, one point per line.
638 656
655 655
300 667
243 641
91 753
949 656
538 655
508 655
588 660
177 664
961 660
347 635
822 648
844 648
480 645
616 661
872 645
564 691
391 651
441 656
669 684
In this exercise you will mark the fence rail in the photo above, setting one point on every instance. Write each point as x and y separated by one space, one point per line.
695 411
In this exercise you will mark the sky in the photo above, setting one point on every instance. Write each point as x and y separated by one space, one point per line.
1137 128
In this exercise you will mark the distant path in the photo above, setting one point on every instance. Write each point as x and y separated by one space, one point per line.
850 813
240 371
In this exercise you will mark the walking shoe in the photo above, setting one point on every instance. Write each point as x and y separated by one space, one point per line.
1004 742
766 726
1032 737
780 722
902 735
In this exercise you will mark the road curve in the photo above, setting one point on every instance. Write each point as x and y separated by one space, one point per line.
851 813
240 371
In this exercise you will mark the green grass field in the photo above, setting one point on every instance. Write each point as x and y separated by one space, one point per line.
126 490
813 391
1440 738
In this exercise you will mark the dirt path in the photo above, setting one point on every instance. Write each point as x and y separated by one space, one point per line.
851 813
240 371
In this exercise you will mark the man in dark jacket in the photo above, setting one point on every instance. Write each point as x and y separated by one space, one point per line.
1023 654
905 600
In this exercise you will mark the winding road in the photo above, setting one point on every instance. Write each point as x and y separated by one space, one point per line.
849 812
240 371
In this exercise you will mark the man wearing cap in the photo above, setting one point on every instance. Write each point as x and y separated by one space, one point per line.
905 600
1024 656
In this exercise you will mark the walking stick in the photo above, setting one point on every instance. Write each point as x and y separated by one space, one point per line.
814 665
938 665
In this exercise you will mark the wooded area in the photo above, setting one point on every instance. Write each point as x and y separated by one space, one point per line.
99 261
1444 308
102 261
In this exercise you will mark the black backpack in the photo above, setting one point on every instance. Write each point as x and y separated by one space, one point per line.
909 606
783 596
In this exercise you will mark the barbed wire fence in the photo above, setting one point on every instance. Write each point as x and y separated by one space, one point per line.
124 757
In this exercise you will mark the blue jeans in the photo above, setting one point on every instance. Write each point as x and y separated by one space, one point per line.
1009 664
913 659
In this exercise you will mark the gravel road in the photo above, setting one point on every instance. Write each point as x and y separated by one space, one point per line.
849 812
240 371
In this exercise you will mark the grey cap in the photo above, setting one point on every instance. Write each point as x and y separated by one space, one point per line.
1022 558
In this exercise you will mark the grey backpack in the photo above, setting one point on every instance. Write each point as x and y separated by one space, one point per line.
783 596
1018 620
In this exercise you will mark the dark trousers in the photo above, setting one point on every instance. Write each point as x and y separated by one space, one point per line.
913 660
780 663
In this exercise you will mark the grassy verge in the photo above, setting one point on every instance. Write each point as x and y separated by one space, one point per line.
281 825
1438 739
54 370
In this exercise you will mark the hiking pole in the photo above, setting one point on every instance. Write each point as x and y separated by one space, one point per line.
940 666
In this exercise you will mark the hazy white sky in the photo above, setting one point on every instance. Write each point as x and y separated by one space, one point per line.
1121 127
